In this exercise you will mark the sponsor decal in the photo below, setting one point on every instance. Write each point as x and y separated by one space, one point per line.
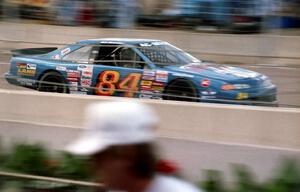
72 79
86 71
145 44
73 86
208 93
26 69
149 73
241 86
242 96
56 57
205 82
153 43
65 51
157 88
87 74
148 88
84 89
158 84
78 92
26 82
82 67
145 96
227 70
161 76
61 68
160 43
157 97
147 92
149 78
146 83
31 66
194 67
72 74
86 82
182 75
111 42
208 97
22 65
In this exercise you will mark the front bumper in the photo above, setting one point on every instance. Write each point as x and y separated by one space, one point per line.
264 96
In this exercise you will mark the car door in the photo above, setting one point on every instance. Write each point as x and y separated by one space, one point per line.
118 71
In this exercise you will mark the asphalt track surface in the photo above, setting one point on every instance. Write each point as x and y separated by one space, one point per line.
286 77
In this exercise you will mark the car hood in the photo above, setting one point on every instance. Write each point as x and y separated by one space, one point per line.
218 72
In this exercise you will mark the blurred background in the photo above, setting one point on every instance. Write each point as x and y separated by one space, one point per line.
210 15
260 35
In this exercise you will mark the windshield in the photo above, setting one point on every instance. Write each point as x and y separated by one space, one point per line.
164 54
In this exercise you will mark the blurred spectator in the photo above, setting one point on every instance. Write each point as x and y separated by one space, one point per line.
87 11
67 11
104 16
11 9
120 138
1 8
227 15
126 12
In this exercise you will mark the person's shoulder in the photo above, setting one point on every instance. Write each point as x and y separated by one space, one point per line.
166 183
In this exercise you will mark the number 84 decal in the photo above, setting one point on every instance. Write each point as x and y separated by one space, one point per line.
108 83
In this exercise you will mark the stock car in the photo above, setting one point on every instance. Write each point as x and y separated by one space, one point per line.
141 68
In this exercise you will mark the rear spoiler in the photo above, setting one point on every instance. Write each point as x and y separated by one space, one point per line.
32 51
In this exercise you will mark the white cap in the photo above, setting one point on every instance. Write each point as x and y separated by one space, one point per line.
115 123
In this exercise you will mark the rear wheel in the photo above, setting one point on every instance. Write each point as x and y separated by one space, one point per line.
52 82
181 91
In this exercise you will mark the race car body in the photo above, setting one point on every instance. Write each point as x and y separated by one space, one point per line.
136 68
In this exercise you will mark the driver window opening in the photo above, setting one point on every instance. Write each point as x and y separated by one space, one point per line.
119 56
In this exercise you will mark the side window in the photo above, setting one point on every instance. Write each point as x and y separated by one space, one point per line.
104 55
127 57
117 56
156 54
80 55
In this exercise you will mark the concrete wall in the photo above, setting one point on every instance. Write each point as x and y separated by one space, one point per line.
260 48
277 127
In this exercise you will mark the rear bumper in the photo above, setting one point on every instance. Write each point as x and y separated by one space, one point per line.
11 79
24 82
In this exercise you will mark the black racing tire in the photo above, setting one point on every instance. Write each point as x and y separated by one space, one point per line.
56 83
181 90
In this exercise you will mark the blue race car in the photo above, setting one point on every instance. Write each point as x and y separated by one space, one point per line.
141 68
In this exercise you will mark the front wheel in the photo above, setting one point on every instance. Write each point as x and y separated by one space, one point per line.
52 82
181 91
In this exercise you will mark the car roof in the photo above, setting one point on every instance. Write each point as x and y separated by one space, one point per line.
121 41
